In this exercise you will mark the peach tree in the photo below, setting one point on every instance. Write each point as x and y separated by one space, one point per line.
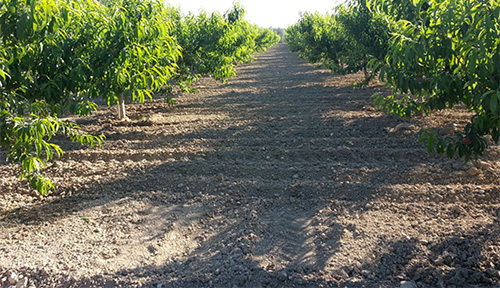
43 73
57 56
133 53
442 54
212 44
344 41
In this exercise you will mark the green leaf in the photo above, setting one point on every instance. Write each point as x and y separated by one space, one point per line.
496 135
471 63
494 99
22 27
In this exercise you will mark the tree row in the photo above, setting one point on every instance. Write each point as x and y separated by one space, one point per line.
59 56
434 55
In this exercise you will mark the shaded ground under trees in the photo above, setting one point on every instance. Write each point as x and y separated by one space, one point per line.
282 177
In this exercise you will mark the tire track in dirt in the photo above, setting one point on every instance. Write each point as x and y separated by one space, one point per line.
282 177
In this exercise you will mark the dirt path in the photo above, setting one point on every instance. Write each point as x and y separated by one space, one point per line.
282 177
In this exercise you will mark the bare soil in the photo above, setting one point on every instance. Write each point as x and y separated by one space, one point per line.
285 176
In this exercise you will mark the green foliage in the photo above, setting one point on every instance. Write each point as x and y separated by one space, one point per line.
27 140
366 34
43 44
316 38
434 54
133 52
213 44
57 56
280 32
44 72
344 41
265 38
444 53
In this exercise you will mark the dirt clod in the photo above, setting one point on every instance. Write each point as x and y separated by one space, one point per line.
12 277
408 284
400 127
473 171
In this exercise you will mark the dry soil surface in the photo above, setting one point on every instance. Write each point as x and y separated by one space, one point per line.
284 176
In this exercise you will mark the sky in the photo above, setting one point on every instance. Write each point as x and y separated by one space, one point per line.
265 13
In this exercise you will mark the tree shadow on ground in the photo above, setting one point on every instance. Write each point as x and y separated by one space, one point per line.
237 153
454 261
258 188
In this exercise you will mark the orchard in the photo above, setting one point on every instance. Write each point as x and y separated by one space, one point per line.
142 145
434 55
57 57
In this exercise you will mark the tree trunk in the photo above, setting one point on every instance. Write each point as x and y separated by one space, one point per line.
367 75
121 107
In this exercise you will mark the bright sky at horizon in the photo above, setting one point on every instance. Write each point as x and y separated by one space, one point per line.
265 13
